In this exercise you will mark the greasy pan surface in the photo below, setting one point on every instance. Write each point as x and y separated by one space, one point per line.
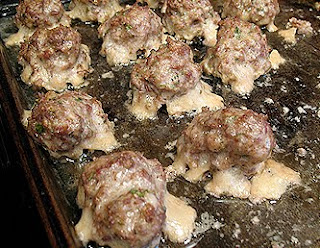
293 221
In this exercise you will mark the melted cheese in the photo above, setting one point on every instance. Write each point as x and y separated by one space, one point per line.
271 27
25 32
180 219
244 79
25 117
195 99
17 38
231 182
210 32
272 182
288 35
276 59
59 79
191 174
143 106
103 140
90 12
84 227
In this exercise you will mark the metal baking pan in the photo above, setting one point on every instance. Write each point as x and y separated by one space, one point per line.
290 97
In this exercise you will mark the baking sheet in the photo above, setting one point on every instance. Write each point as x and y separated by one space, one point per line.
294 220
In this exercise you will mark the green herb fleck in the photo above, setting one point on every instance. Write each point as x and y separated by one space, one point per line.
237 32
92 176
39 128
78 99
128 26
138 192
231 119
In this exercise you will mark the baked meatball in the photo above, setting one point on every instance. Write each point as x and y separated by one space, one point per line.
260 12
240 56
227 137
32 14
191 18
51 58
122 197
165 75
69 122
130 30
93 10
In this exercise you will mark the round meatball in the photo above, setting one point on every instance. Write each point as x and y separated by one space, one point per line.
33 14
93 10
227 137
40 13
67 123
130 30
125 194
260 12
240 56
51 58
191 18
168 72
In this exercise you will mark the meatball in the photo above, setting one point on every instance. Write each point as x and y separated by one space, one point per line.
130 30
227 137
240 56
93 10
191 18
51 58
259 12
167 74
67 123
124 194
32 14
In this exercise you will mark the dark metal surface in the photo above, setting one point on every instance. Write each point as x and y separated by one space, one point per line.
293 221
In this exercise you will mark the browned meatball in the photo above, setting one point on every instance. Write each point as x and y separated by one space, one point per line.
168 72
130 30
93 10
32 14
67 123
169 76
190 18
124 194
260 12
51 58
227 137
240 56
39 13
